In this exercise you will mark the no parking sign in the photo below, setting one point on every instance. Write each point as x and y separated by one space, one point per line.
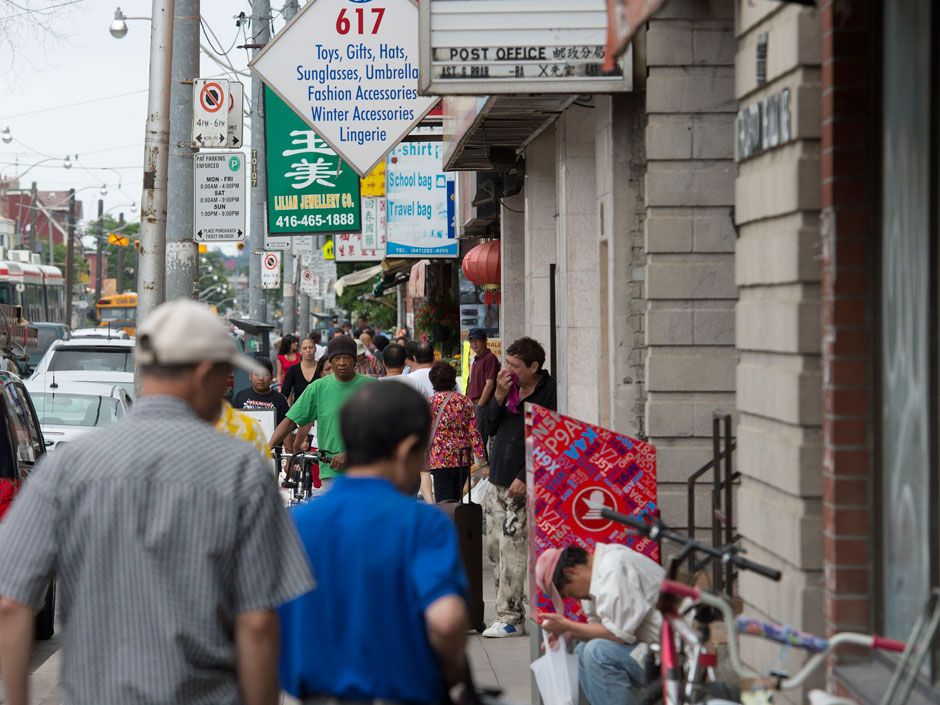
271 270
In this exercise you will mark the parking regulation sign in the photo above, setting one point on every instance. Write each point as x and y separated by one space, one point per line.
270 270
349 69
210 112
219 196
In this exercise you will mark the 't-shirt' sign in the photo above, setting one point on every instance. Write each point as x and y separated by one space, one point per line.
350 69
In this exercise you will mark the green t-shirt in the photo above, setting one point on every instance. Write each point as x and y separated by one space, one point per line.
321 402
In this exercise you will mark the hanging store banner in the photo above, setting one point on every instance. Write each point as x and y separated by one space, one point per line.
310 189
350 70
270 270
571 463
369 245
486 47
419 203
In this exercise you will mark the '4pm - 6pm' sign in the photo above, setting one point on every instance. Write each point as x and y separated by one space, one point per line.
310 189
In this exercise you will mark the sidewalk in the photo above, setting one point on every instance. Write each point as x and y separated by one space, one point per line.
496 663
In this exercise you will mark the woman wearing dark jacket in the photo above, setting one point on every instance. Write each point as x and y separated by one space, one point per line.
522 380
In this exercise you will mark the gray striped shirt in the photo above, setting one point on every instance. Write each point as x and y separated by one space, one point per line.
160 530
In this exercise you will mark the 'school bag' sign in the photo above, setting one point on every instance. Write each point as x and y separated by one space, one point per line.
573 466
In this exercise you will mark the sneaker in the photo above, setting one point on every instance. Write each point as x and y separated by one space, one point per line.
498 630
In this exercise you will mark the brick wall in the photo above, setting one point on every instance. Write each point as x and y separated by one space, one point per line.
849 192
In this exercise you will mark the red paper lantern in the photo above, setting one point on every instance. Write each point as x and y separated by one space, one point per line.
481 265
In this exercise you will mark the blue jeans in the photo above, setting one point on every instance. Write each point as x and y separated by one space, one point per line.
607 671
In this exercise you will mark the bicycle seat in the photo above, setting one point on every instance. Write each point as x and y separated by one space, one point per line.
821 697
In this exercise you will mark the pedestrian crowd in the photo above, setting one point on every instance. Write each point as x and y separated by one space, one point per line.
182 578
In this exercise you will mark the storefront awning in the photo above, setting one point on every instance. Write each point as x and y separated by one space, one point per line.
475 126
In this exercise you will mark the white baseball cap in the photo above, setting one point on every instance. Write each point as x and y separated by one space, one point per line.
184 332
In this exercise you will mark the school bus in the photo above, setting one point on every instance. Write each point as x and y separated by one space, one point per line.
118 311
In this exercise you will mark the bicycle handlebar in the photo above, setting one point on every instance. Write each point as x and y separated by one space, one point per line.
656 530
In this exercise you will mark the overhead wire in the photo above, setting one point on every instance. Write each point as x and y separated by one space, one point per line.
72 105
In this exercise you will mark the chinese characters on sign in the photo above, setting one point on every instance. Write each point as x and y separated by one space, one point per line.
310 189
369 245
571 466
419 202
486 47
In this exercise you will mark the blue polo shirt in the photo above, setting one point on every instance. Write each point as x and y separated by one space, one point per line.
380 559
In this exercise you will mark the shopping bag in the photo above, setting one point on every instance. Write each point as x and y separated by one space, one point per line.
478 493
556 674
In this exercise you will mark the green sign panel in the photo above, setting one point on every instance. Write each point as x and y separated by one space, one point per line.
310 189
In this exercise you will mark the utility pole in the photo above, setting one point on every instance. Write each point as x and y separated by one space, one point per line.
34 209
304 316
70 259
291 7
260 35
151 289
290 300
182 263
99 245
120 257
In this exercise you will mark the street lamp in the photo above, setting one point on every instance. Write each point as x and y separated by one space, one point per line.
6 135
118 27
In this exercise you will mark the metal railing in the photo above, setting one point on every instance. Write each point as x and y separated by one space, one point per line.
722 502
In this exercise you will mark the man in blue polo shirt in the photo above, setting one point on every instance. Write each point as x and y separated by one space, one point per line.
388 619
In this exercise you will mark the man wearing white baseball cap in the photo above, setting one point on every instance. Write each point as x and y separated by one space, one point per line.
177 547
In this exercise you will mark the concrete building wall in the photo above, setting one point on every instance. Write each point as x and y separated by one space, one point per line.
540 235
689 238
512 311
777 199
578 300
620 159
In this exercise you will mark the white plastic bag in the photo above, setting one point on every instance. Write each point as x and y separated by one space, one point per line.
556 674
478 493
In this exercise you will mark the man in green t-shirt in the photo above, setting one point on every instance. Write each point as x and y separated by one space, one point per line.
321 403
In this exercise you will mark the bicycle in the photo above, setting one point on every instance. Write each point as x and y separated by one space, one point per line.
303 474
673 593
686 666
820 647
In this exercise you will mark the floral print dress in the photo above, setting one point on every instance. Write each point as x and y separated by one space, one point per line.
456 431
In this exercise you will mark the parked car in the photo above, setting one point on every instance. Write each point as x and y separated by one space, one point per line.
67 410
104 333
21 446
46 335
88 360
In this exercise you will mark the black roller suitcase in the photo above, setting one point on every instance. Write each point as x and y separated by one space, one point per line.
468 518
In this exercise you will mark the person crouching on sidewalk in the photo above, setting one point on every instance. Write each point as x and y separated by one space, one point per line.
618 589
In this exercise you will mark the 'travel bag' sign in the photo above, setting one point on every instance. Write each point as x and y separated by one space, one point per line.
571 463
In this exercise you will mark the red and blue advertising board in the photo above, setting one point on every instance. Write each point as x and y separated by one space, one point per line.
572 463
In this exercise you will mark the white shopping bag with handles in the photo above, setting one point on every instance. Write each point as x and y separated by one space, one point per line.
556 674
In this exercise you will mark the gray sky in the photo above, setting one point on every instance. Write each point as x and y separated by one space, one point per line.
86 64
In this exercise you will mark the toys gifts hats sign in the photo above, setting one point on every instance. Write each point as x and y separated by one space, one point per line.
573 467
349 69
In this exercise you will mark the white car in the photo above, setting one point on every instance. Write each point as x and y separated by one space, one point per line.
96 360
67 410
104 333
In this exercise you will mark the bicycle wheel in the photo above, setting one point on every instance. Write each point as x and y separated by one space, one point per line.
652 694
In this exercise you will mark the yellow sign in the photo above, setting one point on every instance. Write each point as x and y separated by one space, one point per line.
119 240
203 248
328 250
374 183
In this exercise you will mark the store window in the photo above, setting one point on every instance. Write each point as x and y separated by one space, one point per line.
910 367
